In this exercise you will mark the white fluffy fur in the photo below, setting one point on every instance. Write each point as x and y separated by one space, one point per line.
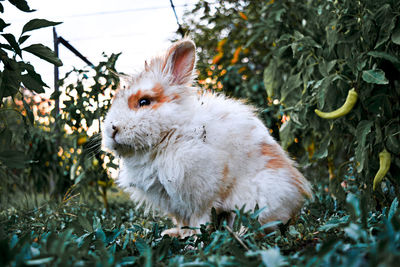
198 151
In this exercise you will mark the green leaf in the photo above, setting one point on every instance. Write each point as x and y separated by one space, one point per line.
5 138
293 83
378 132
331 37
392 134
323 86
393 208
354 205
21 5
386 21
35 24
270 82
393 143
5 46
11 40
363 129
141 246
23 38
325 67
270 225
396 35
286 134
384 55
3 25
100 235
129 260
322 150
376 76
28 111
293 232
354 231
334 223
44 53
39 260
361 64
11 80
270 257
257 213
13 159
33 82
84 222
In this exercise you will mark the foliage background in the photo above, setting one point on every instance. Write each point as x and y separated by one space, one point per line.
59 204
303 55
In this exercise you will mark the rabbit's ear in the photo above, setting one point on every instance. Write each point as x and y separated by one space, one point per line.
179 62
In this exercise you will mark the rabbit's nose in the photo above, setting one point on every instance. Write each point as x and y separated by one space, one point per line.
115 131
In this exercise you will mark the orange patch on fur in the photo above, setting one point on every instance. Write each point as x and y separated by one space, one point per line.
298 181
133 100
227 184
176 96
225 173
156 97
159 96
276 159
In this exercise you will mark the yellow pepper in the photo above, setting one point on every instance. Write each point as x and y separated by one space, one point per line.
343 110
384 166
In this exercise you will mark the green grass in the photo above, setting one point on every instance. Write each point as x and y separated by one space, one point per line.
75 233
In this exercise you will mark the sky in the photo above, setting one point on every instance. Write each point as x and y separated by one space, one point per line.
138 29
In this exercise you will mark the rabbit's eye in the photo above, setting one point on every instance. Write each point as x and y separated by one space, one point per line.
144 102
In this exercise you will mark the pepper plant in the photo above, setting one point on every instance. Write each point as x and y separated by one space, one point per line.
308 55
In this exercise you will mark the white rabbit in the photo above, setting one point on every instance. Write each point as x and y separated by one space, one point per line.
183 152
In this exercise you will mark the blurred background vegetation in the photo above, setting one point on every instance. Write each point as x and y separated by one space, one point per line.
287 58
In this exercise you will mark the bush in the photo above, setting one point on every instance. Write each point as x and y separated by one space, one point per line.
87 99
308 55
42 152
17 78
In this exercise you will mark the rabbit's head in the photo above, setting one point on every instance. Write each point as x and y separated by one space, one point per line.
155 102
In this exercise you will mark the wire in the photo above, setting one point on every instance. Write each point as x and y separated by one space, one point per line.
124 11
180 29
121 35
176 16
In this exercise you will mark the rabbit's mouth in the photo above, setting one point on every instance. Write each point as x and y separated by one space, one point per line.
122 150
129 149
124 141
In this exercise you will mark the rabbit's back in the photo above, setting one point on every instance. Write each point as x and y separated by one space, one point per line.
253 168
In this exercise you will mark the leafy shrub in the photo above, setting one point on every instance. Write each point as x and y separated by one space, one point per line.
16 77
42 152
308 55
87 99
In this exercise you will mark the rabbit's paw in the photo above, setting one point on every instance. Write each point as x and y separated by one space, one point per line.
178 232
